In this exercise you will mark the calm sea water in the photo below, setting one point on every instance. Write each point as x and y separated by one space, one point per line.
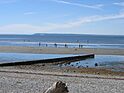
72 40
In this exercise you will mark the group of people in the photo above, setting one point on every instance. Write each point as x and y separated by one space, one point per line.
56 45
80 46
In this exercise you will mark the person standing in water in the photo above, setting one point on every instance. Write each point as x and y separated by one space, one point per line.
55 45
39 44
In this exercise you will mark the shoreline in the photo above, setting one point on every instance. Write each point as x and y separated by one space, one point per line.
64 73
49 50
52 68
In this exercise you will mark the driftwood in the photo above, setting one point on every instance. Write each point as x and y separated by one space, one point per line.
57 87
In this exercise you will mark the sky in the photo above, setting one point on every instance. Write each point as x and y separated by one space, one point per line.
105 17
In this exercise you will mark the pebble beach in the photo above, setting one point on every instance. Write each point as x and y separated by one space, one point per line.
32 81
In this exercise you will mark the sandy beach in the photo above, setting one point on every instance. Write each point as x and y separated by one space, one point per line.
49 50
36 78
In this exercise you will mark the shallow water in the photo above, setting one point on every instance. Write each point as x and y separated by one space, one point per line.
115 62
17 57
112 61
52 44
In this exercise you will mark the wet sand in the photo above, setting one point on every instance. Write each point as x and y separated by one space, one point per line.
47 50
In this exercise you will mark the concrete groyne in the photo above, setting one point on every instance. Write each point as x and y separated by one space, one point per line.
53 60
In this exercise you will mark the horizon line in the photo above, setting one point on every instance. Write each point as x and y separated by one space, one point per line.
66 34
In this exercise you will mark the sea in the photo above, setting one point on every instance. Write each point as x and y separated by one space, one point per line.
71 40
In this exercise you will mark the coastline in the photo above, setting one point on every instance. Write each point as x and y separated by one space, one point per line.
38 77
49 50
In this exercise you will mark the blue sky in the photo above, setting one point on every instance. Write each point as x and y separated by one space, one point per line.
62 16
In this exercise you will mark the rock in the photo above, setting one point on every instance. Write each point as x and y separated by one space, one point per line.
57 87
96 64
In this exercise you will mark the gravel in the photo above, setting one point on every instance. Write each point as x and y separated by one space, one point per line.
34 83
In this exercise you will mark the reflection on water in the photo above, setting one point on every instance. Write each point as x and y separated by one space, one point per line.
100 61
16 57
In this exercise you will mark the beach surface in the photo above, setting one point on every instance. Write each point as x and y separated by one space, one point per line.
15 80
38 77
49 50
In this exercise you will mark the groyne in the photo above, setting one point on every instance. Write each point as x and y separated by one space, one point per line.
53 60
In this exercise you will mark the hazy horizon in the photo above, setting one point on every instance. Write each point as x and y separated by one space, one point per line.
63 34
